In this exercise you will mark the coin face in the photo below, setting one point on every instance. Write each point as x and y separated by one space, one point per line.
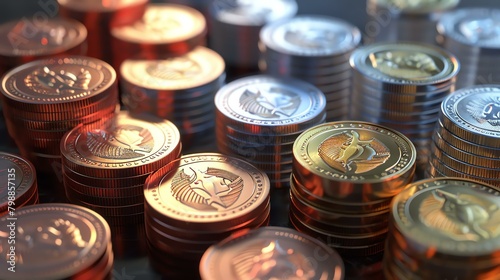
16 174
455 216
418 6
99 5
248 12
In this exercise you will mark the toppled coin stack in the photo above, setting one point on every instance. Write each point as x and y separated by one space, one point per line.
401 86
345 175
197 201
271 253
56 241
105 169
472 35
444 228
466 140
315 49
259 117
180 89
19 184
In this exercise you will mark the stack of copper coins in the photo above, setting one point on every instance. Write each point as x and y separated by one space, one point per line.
180 89
466 141
444 228
472 35
345 175
18 183
315 49
99 17
55 241
235 26
197 201
259 117
404 20
105 169
271 253
401 86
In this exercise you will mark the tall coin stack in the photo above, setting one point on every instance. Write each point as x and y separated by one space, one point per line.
105 169
56 241
259 117
401 86
315 49
345 175
197 201
472 35
444 228
466 140
180 89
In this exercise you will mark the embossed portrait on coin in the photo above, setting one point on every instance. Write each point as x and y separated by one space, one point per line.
273 260
272 103
485 110
348 152
177 68
405 65
207 190
58 81
313 38
158 22
461 217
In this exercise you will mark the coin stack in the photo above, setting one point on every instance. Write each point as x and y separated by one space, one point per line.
235 26
472 35
404 20
259 117
444 228
344 177
19 185
466 140
180 89
55 241
197 201
401 86
105 169
271 253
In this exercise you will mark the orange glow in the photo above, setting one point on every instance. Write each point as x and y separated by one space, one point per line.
44 41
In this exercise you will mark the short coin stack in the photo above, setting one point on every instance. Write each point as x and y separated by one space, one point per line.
315 49
259 117
197 201
466 141
444 228
105 169
345 175
401 86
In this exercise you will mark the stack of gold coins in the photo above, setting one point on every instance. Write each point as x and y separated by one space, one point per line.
345 175
473 36
404 20
55 241
444 228
105 169
180 89
259 117
315 49
271 253
197 201
18 184
466 141
401 86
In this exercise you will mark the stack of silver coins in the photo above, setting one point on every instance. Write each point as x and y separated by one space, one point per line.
180 89
315 49
235 27
444 228
472 34
259 117
105 169
466 140
404 20
197 201
345 175
401 86
271 253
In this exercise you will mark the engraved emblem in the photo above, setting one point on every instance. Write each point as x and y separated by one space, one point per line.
314 38
462 217
207 190
404 65
480 29
349 153
53 82
270 104
245 8
174 69
158 22
485 110
45 35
